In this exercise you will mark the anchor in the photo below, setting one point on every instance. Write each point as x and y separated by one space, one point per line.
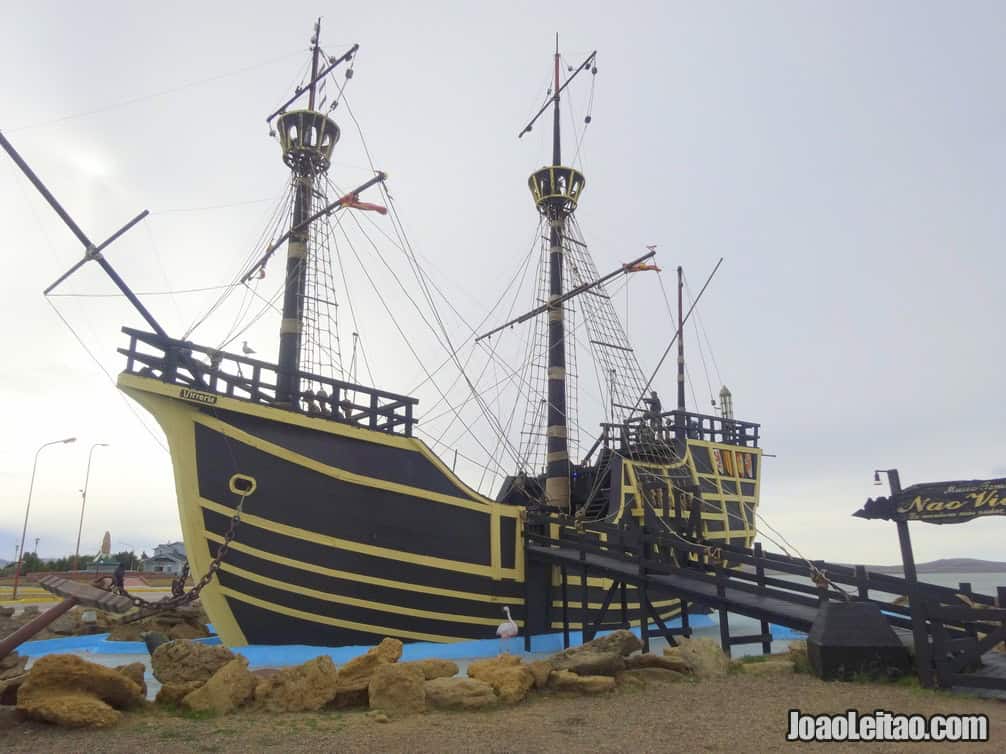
73 593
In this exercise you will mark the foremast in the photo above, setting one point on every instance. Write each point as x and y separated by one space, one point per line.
556 189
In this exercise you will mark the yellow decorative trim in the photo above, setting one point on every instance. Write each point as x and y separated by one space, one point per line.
356 602
458 566
336 473
379 631
376 581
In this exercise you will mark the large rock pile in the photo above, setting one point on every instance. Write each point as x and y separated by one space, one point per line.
67 690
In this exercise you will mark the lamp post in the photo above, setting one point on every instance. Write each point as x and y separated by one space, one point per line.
83 501
24 531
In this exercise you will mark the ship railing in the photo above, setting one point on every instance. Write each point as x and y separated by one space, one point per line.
657 550
648 431
208 370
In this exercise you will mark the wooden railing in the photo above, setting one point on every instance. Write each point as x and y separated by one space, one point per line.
207 370
645 431
660 551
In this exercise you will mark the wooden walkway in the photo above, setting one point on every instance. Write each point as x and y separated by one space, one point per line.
955 630
694 588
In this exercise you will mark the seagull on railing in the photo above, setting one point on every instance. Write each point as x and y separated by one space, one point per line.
507 629
246 349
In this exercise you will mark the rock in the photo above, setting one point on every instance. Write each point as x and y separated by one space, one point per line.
181 661
126 632
6 612
303 688
73 673
187 631
602 656
226 690
589 662
767 668
355 675
171 694
66 690
703 656
136 671
71 709
435 668
378 717
397 690
509 678
540 670
64 625
12 665
9 687
29 611
665 662
459 693
622 641
153 639
646 676
566 680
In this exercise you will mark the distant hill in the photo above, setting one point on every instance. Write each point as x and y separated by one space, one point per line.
4 562
949 565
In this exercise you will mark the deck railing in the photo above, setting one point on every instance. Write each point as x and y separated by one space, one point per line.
208 370
649 431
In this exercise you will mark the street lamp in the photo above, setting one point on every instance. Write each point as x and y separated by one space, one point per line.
31 486
83 501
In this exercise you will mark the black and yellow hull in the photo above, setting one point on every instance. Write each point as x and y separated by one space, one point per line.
348 534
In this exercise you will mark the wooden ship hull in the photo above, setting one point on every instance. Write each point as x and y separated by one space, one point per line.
348 533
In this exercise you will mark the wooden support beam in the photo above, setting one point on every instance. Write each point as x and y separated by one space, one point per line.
565 608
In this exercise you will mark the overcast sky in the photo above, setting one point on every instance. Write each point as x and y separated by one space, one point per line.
846 159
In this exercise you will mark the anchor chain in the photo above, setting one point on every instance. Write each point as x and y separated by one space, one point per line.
179 596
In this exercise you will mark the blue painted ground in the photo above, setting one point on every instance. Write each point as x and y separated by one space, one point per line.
96 647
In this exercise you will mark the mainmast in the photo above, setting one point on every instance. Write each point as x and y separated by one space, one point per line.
307 137
556 190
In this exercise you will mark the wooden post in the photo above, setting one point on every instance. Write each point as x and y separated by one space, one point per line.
527 594
565 609
766 629
686 629
920 634
724 615
625 606
32 627
644 598
862 583
584 603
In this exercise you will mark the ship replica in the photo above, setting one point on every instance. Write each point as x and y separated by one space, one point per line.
326 521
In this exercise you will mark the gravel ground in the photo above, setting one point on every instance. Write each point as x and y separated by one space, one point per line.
734 714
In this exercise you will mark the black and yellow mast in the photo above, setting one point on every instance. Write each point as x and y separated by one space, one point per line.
556 189
307 137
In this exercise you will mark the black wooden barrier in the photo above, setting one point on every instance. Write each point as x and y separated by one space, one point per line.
954 629
236 376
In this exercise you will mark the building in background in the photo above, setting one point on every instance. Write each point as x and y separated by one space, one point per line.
168 559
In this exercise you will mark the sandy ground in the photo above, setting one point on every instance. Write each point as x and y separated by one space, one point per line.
734 714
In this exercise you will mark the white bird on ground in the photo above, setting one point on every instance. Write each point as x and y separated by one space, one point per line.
246 349
507 629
